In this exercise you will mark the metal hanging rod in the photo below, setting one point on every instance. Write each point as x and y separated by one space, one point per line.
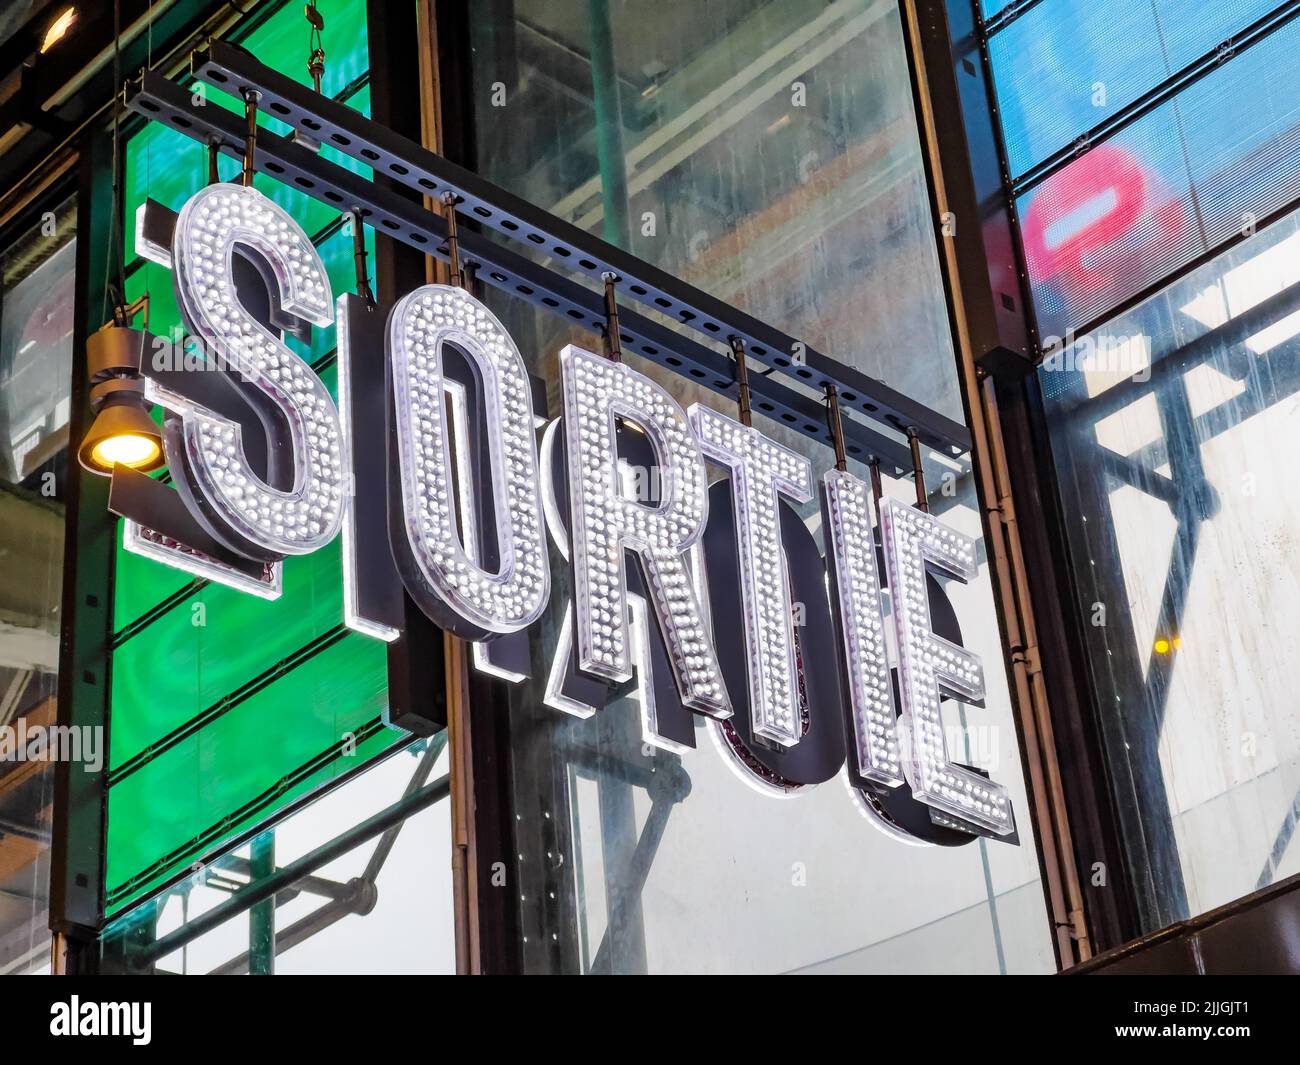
251 97
391 213
745 398
448 200
613 342
232 69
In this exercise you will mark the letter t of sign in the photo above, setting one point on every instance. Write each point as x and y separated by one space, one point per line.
761 470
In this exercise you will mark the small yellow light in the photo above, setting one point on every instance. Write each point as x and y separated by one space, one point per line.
126 449
58 28
1162 646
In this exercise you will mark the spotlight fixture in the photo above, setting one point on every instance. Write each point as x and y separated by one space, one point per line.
58 29
122 432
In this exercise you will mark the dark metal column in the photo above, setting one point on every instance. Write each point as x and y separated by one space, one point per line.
994 335
422 671
80 797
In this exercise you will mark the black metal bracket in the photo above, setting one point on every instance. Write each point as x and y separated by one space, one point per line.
327 121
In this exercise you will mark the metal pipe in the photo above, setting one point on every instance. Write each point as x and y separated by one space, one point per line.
301 930
918 471
240 901
742 378
309 885
449 201
359 259
251 97
837 426
613 342
423 768
261 915
628 898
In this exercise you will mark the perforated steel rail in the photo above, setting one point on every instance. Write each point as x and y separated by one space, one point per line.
389 211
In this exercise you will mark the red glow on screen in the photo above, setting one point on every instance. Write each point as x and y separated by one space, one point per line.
1088 227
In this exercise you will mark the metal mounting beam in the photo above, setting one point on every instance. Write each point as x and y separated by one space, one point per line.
391 213
327 121
268 887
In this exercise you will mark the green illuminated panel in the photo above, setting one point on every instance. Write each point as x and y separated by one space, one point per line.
162 165
281 42
169 167
210 645
228 777
164 316
225 707
140 585
336 255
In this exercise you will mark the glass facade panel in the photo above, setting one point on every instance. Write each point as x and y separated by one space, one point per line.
989 8
37 282
770 156
1170 430
383 907
1203 166
1062 68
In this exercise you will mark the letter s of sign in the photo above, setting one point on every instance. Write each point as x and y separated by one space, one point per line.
208 451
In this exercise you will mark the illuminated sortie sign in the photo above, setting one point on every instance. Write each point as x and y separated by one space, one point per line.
800 691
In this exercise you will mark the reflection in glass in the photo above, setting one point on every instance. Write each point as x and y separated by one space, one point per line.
1172 430
770 156
36 301
1112 218
382 906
